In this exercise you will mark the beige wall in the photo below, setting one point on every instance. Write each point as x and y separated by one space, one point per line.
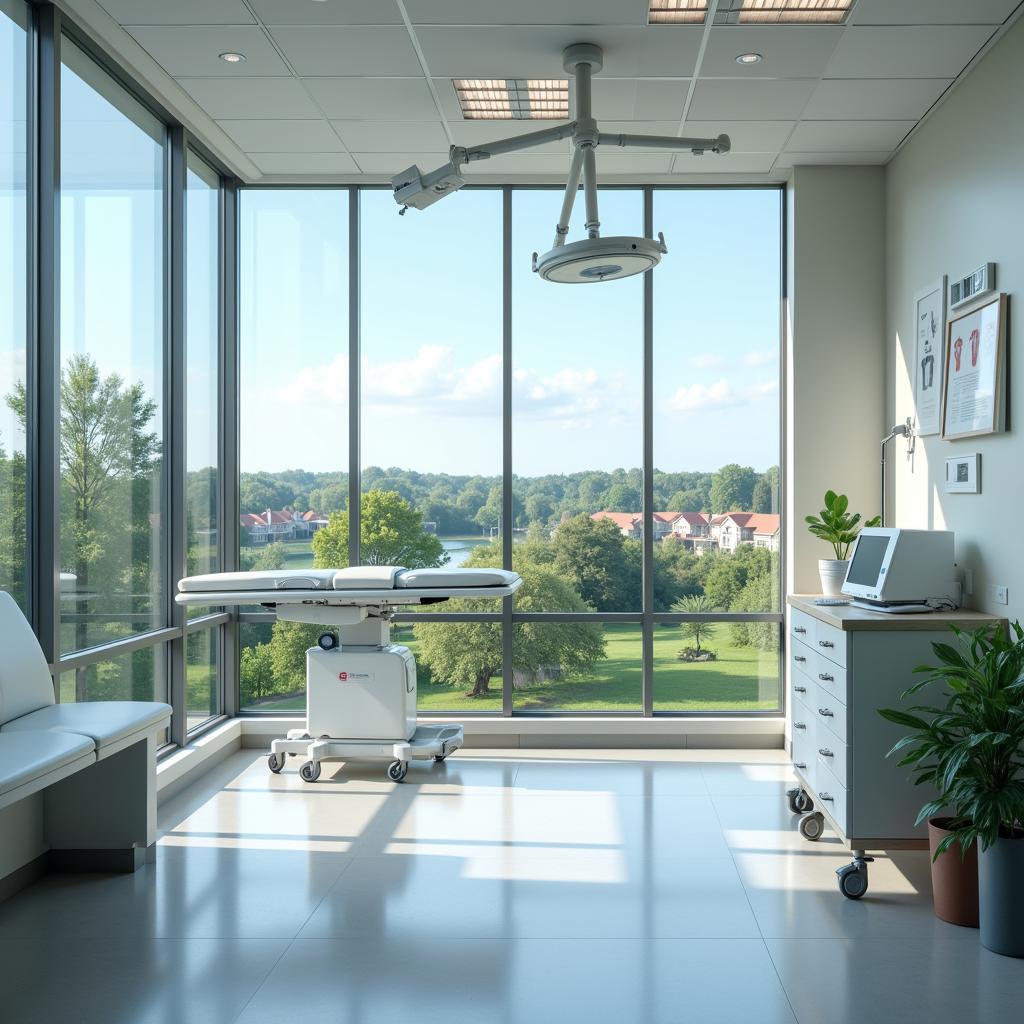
836 354
955 199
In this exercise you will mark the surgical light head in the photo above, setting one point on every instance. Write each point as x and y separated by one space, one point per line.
413 188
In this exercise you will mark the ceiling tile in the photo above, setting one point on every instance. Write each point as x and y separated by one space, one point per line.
380 99
856 99
753 100
348 51
305 163
527 12
940 51
847 136
932 12
282 136
193 50
841 159
250 97
745 136
331 12
710 163
181 12
391 163
536 52
392 136
789 51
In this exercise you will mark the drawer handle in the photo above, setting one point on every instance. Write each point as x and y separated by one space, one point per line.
799 725
799 764
827 796
826 678
825 713
825 643
825 752
799 657
800 689
799 629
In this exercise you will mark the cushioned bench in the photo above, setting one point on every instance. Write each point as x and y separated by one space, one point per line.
95 761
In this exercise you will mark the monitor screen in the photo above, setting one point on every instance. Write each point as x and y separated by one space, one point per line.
867 560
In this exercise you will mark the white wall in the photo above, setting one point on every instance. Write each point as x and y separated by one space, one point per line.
955 199
836 352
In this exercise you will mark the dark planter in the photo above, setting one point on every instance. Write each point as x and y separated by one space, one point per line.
1001 896
954 878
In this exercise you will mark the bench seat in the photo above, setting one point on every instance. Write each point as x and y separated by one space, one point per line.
31 761
111 725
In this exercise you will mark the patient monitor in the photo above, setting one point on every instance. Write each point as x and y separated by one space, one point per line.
897 570
361 688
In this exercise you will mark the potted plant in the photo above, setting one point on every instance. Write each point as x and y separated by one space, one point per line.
839 528
970 749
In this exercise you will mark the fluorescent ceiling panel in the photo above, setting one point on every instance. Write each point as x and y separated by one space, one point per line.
790 12
677 12
519 99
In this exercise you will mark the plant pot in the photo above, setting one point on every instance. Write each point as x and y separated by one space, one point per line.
1001 896
954 878
833 573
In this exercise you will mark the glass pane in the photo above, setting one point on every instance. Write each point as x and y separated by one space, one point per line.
13 267
728 667
272 669
577 424
201 387
140 675
293 308
716 401
111 430
458 664
202 676
577 666
431 384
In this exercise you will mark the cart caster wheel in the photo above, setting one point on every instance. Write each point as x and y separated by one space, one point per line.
812 825
439 758
853 879
798 800
397 770
327 641
275 762
310 771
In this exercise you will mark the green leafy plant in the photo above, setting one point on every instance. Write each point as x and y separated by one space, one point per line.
971 747
836 526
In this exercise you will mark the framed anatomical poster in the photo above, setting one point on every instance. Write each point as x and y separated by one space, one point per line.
929 339
974 399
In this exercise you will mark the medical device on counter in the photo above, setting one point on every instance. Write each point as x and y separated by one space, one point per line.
899 571
361 688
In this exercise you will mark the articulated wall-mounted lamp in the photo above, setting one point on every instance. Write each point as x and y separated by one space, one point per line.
905 429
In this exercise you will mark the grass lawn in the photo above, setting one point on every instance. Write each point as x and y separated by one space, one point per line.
742 679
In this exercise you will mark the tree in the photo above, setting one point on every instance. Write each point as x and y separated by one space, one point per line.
622 497
488 516
259 491
256 674
686 501
592 554
766 492
390 533
269 556
13 483
697 631
732 488
470 653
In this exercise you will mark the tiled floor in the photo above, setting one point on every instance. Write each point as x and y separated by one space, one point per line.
528 886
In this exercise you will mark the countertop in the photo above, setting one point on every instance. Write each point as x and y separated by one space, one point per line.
847 617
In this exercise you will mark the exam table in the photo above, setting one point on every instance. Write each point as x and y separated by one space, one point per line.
361 688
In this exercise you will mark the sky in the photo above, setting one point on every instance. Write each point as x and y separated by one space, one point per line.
431 316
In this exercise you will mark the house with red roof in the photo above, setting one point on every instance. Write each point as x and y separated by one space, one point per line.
270 526
731 529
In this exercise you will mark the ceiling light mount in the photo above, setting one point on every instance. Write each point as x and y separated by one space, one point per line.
593 259
232 58
749 58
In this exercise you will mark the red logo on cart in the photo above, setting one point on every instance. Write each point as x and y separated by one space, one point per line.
343 676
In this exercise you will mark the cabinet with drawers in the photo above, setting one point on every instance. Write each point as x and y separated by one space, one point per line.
844 664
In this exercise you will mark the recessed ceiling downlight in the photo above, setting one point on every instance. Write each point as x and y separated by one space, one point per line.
749 58
232 58
599 259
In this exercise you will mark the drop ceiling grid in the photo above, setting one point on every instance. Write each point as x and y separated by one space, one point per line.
823 92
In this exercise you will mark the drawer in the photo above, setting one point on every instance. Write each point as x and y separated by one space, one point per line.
831 678
831 795
830 641
802 626
805 758
802 658
801 692
831 753
829 713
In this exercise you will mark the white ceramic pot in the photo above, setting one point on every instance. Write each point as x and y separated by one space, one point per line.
832 572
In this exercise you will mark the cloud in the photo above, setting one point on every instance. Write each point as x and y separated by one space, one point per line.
763 390
699 397
762 358
707 360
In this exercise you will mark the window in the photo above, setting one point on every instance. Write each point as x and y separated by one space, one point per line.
293 433
112 350
13 325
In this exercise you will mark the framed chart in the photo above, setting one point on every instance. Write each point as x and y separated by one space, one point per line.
929 356
973 396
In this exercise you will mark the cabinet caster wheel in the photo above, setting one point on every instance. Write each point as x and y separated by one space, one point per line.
853 878
799 802
439 758
397 770
275 762
812 825
310 771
